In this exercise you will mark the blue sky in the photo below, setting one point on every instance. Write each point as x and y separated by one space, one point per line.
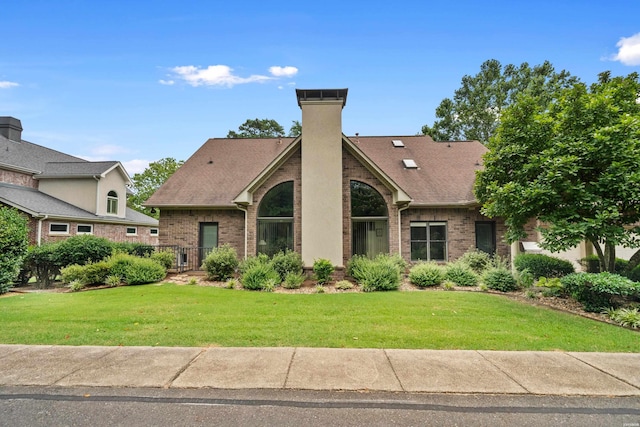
137 81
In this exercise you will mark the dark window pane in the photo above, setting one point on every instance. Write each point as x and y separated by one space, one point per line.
418 251
438 232
278 202
366 201
59 228
486 237
274 236
437 251
419 233
370 238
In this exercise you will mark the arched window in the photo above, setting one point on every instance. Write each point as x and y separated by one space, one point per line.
275 220
112 203
369 221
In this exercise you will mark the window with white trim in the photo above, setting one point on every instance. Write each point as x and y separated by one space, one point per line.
112 203
428 241
84 229
154 231
132 231
58 228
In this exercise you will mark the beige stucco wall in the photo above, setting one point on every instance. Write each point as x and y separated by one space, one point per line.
113 181
78 192
322 181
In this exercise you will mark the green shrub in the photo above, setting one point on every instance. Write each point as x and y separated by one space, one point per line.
461 274
112 281
500 279
541 265
221 263
633 274
13 246
287 262
82 250
380 275
628 317
43 263
319 289
395 259
599 291
550 287
143 270
322 270
251 261
448 286
524 278
231 284
119 263
293 281
166 258
260 276
356 266
478 260
72 273
426 274
343 285
76 285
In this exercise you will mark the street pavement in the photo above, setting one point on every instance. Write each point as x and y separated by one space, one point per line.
289 368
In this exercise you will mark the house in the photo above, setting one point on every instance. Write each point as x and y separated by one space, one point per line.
326 195
63 195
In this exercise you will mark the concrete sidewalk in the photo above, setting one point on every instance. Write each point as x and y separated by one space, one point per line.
431 371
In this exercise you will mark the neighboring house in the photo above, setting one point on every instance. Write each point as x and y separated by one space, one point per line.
63 195
326 195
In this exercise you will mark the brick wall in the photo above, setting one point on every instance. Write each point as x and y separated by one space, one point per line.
352 169
113 232
182 226
461 234
291 170
18 178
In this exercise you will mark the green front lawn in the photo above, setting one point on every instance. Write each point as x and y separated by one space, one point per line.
172 315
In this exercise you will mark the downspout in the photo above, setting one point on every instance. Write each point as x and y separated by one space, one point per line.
246 230
39 237
97 192
400 228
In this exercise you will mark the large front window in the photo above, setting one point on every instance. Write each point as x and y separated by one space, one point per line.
428 241
275 220
369 221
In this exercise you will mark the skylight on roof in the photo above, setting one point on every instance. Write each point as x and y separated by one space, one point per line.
410 164
397 143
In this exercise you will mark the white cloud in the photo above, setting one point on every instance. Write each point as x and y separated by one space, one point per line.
6 85
214 75
135 166
287 71
167 82
628 50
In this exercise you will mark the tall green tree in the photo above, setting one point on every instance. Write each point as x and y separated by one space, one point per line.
573 163
296 129
147 182
258 128
13 245
475 111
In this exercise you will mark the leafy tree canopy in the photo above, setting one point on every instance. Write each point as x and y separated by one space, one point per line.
573 163
258 128
13 245
475 111
296 128
147 182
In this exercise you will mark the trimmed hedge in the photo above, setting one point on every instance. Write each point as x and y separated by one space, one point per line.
383 273
541 265
500 279
426 274
461 274
221 263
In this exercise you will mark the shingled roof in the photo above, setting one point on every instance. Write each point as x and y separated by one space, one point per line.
26 156
40 204
215 174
